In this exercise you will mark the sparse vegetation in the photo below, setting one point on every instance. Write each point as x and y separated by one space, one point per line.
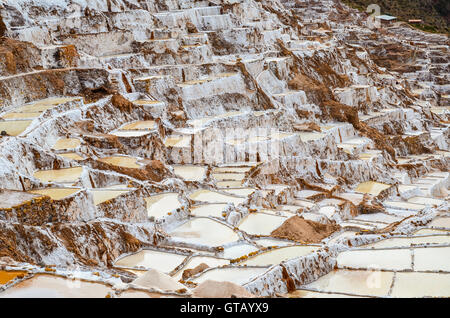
435 14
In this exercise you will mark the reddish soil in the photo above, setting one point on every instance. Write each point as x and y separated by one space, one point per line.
299 229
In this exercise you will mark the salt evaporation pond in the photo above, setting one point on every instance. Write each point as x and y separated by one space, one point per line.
103 195
47 286
409 241
140 125
371 187
66 175
215 197
8 276
190 172
408 285
276 256
150 259
260 223
355 282
56 193
206 210
14 127
197 260
204 231
238 250
67 143
235 275
243 192
397 259
161 204
432 259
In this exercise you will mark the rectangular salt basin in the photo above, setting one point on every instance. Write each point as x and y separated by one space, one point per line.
229 184
14 128
426 201
203 231
404 205
130 133
238 276
228 176
214 197
343 235
355 282
190 172
238 250
161 204
408 285
376 259
56 193
260 223
206 210
378 217
408 241
139 125
371 187
231 169
103 195
71 156
432 259
150 259
47 286
178 141
67 143
243 192
122 161
276 256
60 175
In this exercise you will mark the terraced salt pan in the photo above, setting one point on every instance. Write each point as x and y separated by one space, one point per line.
432 259
178 141
121 161
278 188
67 143
229 184
56 193
14 127
8 276
378 217
407 241
231 169
354 282
266 242
205 232
404 205
279 255
310 136
71 156
129 133
229 176
372 187
214 197
103 195
139 125
161 204
238 250
238 276
399 259
206 210
260 223
431 231
328 211
61 175
190 172
408 285
46 286
243 192
150 259
425 201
